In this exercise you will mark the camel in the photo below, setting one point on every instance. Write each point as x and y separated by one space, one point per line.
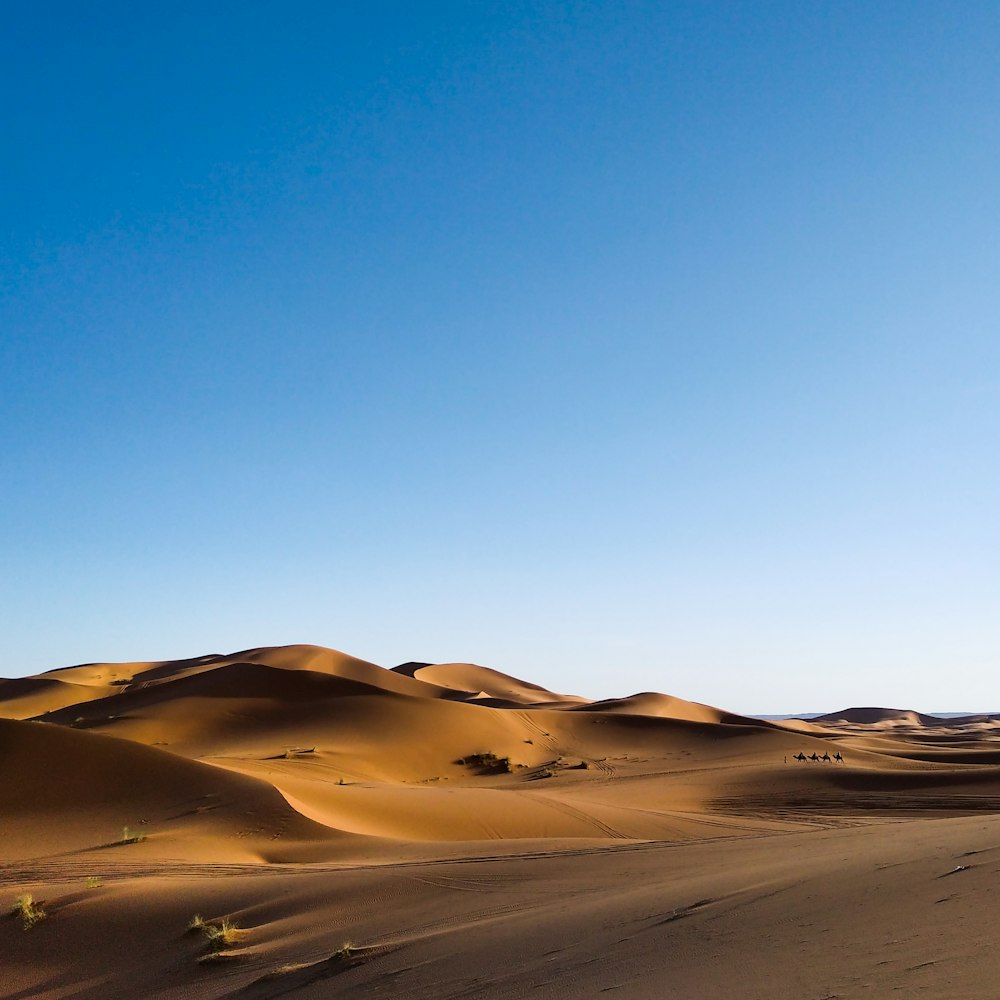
799 756
825 758
838 758
813 756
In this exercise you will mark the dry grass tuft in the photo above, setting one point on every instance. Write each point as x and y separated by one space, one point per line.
223 935
28 911
344 953
219 936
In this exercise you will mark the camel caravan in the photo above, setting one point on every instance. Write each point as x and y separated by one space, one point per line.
837 758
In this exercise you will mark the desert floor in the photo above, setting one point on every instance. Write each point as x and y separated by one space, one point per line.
437 831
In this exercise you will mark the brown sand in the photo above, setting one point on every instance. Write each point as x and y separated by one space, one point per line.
472 834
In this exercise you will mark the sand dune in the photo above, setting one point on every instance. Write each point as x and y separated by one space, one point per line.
64 791
477 834
665 707
879 717
478 683
904 719
28 697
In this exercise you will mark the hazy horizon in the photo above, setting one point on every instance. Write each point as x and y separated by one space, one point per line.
641 346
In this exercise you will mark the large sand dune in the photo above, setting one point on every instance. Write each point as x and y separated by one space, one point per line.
474 834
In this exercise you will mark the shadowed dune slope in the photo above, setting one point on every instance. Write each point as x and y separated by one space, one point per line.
240 709
28 697
63 790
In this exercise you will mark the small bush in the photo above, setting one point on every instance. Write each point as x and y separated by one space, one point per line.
131 836
93 882
488 762
28 911
218 936
344 952
222 935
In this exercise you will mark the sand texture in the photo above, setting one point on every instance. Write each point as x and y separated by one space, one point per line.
444 830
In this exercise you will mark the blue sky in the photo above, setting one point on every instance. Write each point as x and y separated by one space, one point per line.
618 346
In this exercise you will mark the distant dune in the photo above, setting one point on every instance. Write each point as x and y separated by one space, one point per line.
899 717
473 833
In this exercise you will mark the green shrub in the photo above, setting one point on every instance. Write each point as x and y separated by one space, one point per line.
28 911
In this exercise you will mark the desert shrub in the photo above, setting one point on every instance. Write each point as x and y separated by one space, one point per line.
488 762
28 911
223 934
218 935
130 836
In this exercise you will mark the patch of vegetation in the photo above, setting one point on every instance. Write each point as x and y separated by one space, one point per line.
488 762
120 682
292 752
130 836
347 956
219 936
93 882
344 953
222 935
28 911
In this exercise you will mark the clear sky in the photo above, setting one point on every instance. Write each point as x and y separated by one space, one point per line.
618 345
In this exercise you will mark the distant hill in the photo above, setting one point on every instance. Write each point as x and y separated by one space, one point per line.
857 716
